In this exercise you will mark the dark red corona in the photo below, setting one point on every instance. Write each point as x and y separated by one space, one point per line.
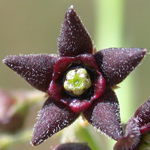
47 73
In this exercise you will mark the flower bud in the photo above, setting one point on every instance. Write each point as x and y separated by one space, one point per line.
10 118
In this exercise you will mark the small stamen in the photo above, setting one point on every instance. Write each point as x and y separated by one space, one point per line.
77 81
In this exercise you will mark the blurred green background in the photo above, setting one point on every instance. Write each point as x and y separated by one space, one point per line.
32 26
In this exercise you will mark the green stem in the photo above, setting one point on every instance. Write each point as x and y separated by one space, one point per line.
78 133
109 33
109 23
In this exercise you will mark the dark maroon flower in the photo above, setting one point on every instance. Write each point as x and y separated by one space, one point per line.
72 146
77 81
136 128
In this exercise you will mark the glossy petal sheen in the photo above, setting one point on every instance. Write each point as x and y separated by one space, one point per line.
35 69
143 115
104 115
74 39
116 63
131 137
53 117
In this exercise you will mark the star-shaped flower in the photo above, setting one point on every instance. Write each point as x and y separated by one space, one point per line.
78 80
136 129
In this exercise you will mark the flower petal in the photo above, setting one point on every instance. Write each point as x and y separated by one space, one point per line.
74 39
131 137
72 146
53 117
35 69
104 115
77 105
116 63
143 115
137 125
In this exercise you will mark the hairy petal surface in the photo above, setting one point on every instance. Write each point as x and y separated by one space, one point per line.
137 125
131 137
143 115
104 115
36 69
53 117
74 39
116 63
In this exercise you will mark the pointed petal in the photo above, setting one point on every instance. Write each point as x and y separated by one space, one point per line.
131 137
137 125
74 39
35 69
116 63
143 115
104 115
53 117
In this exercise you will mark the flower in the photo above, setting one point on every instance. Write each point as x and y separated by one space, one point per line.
72 146
137 127
78 80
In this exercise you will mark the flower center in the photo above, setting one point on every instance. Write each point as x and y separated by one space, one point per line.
77 81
